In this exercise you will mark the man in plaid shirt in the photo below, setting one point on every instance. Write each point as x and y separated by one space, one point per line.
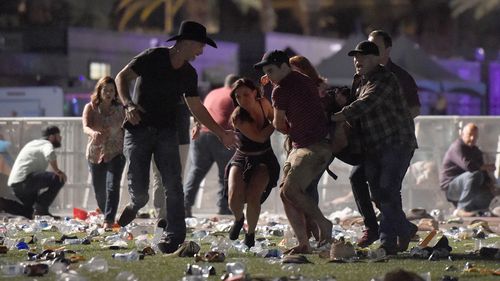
386 132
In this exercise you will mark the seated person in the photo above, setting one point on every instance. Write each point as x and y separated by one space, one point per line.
29 176
465 177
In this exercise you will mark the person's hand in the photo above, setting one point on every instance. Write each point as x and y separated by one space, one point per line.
61 175
264 79
338 117
340 99
230 139
98 137
132 113
195 131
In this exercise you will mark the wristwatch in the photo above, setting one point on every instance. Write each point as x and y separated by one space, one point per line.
129 106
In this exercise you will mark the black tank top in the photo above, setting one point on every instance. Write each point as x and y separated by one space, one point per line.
248 145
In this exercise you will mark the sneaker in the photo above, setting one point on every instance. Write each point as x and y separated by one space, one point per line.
46 213
404 242
108 226
250 240
162 223
224 211
234 232
389 251
167 247
464 214
368 238
127 216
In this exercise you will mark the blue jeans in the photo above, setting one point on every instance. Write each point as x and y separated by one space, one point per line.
203 152
141 144
361 192
28 191
470 191
385 170
106 178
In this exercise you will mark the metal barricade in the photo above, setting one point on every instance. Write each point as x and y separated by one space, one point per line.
420 187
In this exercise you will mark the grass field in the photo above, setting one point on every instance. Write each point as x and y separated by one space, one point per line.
160 267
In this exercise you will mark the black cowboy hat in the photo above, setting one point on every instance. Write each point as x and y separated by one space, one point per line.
191 30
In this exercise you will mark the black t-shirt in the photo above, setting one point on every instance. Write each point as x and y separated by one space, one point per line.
159 87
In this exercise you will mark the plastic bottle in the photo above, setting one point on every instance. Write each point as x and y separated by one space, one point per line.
141 242
126 276
59 267
48 241
191 222
73 241
96 264
158 233
235 268
12 269
70 276
130 256
193 278
199 234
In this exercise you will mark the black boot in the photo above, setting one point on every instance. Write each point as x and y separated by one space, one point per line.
234 232
250 240
128 215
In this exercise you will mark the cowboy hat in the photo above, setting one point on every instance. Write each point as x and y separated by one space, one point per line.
191 30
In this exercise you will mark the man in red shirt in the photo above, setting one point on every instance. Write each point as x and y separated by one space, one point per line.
298 113
205 148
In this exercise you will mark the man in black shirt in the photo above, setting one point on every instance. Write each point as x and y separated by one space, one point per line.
164 77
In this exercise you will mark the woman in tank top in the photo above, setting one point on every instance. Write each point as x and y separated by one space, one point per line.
254 170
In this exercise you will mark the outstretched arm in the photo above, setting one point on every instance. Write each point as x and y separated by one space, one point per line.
200 112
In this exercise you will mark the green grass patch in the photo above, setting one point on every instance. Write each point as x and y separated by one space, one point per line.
160 267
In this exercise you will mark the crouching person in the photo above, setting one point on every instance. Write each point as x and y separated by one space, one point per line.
29 176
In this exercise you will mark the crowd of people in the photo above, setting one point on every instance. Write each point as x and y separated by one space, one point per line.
233 127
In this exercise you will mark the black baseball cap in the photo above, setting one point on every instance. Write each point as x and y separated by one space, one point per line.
275 57
365 48
50 130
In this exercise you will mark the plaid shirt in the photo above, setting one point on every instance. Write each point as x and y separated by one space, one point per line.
380 111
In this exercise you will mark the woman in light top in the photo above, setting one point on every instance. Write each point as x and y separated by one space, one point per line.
102 120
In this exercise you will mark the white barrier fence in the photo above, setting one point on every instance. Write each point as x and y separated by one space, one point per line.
420 187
